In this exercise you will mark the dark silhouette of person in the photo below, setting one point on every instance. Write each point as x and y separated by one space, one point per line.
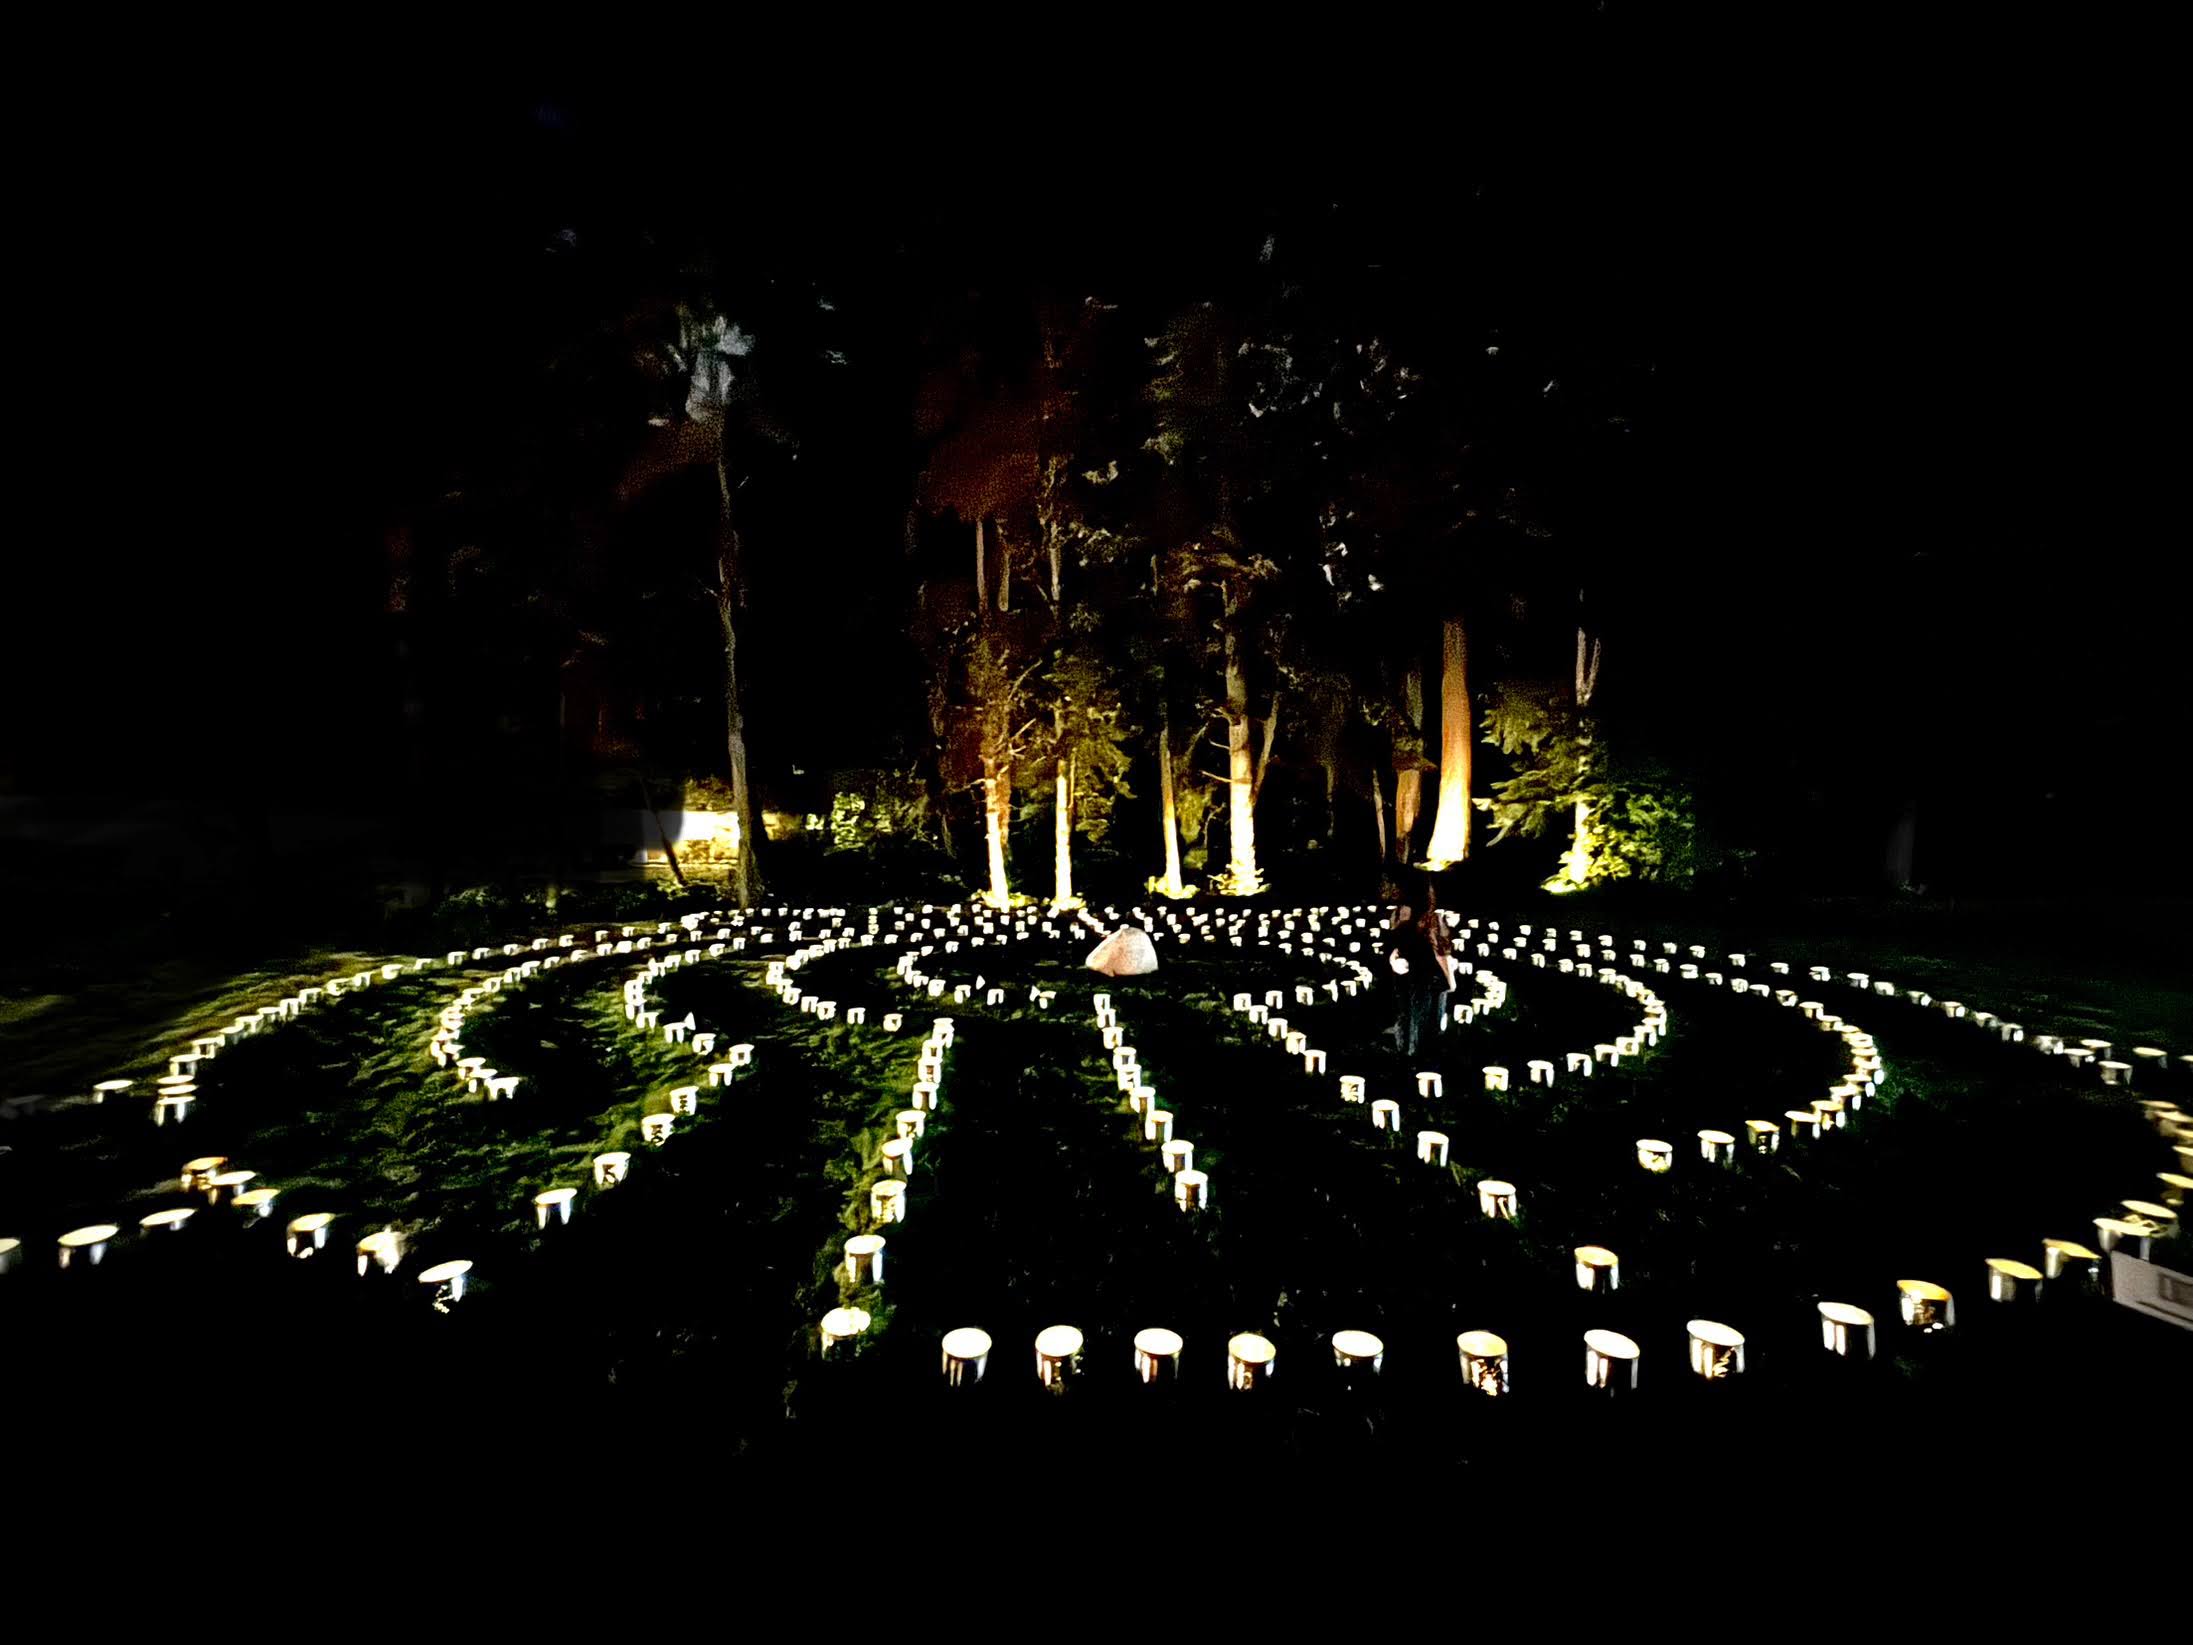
1422 959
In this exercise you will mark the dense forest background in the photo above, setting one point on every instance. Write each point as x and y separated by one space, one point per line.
360 491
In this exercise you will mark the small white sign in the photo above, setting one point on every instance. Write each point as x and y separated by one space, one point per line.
2152 1289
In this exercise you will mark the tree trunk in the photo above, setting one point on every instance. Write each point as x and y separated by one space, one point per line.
1240 767
1062 843
982 572
997 797
1408 786
1332 780
1166 805
1378 812
745 866
1450 842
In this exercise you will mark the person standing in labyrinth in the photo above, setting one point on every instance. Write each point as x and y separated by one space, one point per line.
1422 960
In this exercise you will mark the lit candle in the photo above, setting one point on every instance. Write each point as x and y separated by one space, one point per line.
840 1326
1358 1353
1926 1307
1250 1361
1157 1355
1845 1331
1716 1350
1610 1362
1058 1356
864 1259
2012 1281
1484 1359
1598 1269
966 1356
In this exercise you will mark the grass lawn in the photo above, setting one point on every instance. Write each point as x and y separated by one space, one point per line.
689 1295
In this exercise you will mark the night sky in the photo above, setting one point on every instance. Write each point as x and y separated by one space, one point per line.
1899 478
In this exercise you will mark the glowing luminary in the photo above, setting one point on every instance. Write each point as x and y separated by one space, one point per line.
11 1254
379 1253
1157 1356
1803 1123
1832 1112
2011 1281
1925 1306
1610 1362
2175 1185
222 1187
1496 1199
893 1021
1058 1356
1764 1136
2115 1073
1191 1190
197 1173
1250 1361
1431 1147
87 1246
611 1169
447 1281
1845 1331
1716 1350
1429 1085
655 1129
840 1328
1352 1088
966 1356
170 1221
1178 1155
1598 1270
1157 1126
1484 1358
2123 1233
1541 1073
2069 1260
898 1157
864 1259
685 1099
552 1207
887 1200
307 1235
1358 1353
925 1094
1386 1115
110 1088
910 1122
1578 1062
1313 1060
1654 1155
1496 1077
1716 1147
2160 1218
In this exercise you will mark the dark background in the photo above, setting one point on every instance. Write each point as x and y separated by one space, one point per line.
1899 481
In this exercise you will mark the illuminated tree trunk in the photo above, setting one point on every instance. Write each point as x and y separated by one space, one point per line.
1408 786
745 870
1450 842
1240 766
1576 861
997 796
1378 813
1168 811
1062 838
982 572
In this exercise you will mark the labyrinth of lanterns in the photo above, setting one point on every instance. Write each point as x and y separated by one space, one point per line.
934 980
